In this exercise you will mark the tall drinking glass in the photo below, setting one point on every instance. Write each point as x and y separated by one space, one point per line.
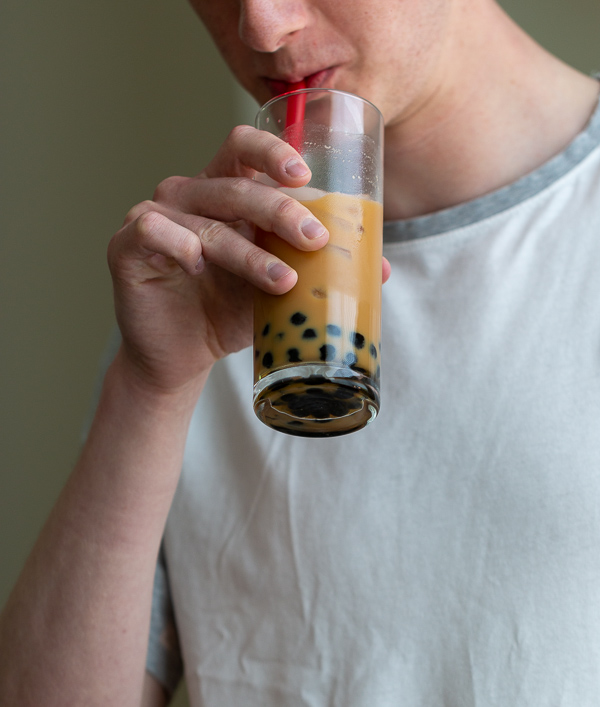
317 348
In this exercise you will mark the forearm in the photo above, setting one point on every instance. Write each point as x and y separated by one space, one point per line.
75 629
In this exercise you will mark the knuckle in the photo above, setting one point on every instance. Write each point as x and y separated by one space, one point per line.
276 150
240 187
136 211
285 208
146 223
210 231
167 188
239 133
253 259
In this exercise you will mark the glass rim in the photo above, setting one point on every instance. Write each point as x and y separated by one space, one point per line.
300 91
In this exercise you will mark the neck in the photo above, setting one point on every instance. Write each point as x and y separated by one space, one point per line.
499 108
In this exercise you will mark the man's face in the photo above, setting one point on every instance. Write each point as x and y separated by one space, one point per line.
388 51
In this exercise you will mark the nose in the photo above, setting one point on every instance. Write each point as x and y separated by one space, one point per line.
265 25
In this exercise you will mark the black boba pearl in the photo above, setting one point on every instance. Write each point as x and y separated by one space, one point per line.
337 408
256 354
353 404
358 340
267 360
298 318
327 352
343 393
315 380
293 356
334 330
373 350
318 403
350 359
309 334
265 331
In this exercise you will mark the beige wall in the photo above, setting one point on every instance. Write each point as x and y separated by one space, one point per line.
99 102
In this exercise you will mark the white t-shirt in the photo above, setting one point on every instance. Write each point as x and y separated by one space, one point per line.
449 554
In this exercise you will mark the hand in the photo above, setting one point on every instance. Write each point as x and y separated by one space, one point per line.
184 264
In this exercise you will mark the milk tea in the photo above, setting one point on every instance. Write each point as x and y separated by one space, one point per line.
323 338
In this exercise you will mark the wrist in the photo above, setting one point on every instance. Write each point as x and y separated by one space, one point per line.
149 394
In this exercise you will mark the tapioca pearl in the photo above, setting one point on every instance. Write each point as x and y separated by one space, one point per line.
343 393
373 350
256 354
327 352
309 334
274 387
266 330
323 404
354 404
293 356
334 330
357 340
267 360
349 359
298 318
315 380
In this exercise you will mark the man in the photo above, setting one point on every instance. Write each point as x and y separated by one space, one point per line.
446 555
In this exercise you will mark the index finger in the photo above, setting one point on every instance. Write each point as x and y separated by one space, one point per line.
248 150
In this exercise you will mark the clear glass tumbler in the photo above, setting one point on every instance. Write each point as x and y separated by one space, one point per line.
317 348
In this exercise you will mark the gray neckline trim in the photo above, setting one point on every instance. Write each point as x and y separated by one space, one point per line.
501 199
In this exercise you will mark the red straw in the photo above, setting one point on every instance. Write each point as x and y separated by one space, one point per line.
295 114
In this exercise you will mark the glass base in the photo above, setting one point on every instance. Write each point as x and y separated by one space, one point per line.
316 400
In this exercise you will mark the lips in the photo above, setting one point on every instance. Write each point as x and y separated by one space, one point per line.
316 80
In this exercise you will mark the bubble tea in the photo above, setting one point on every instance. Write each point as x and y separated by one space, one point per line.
317 348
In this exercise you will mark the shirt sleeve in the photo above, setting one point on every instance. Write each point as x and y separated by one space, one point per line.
164 659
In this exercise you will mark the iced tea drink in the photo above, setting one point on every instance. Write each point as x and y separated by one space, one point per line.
317 348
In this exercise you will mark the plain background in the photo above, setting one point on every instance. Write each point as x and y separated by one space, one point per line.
98 103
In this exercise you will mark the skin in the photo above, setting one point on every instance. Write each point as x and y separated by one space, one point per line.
458 84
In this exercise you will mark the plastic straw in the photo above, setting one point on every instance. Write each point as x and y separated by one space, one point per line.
295 114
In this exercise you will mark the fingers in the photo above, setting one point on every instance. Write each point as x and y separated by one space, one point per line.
386 270
153 242
226 191
247 150
233 199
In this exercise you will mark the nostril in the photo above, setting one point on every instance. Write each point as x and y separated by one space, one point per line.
265 24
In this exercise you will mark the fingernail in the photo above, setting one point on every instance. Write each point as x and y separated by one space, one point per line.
312 229
199 267
296 168
277 270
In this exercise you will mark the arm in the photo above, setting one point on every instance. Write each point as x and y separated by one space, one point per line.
75 628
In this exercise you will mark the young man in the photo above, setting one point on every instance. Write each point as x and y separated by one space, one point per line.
446 555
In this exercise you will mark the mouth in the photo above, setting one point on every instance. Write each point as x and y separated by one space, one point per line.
319 79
